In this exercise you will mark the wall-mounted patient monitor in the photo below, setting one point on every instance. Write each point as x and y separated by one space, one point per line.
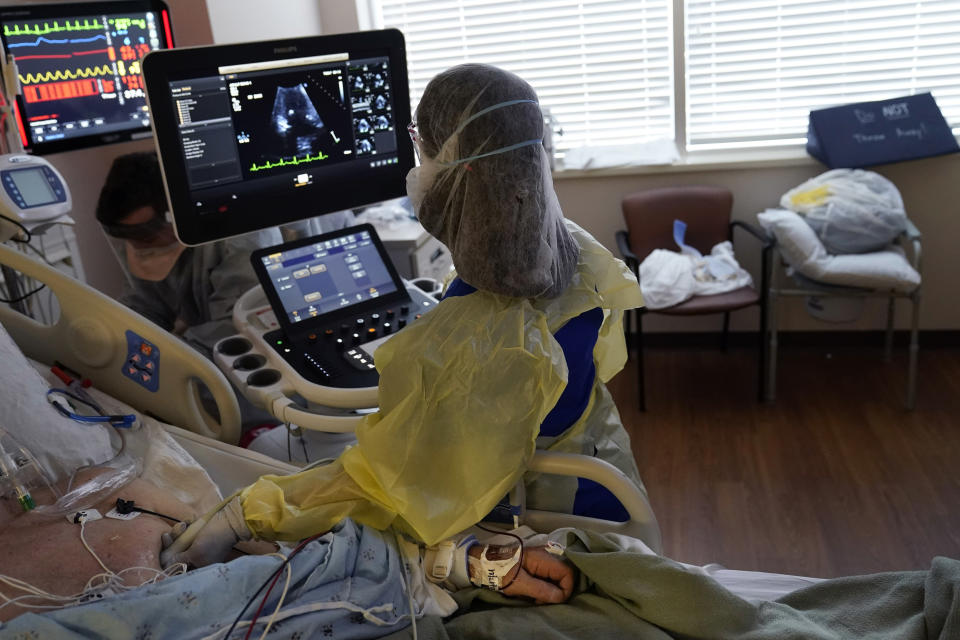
261 134
77 70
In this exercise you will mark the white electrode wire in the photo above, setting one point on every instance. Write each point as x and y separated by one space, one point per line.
283 596
112 581
16 583
83 523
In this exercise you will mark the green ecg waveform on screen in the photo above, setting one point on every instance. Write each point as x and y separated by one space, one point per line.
286 163
56 27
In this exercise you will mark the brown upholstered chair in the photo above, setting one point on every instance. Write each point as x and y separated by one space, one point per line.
706 210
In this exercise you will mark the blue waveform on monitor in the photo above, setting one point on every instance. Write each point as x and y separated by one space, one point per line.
48 41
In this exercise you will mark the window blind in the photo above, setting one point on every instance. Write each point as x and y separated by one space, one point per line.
603 68
755 68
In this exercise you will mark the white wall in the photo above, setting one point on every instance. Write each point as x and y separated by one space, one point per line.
246 20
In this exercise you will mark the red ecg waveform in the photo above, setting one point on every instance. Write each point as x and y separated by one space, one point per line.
64 55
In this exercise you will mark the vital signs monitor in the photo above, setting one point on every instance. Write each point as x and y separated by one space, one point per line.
260 134
33 190
77 79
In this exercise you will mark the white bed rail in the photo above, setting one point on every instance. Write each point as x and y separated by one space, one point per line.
642 523
233 468
90 337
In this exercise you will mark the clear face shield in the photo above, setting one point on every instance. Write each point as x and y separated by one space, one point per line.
146 250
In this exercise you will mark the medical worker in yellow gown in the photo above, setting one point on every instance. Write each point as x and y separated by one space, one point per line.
513 359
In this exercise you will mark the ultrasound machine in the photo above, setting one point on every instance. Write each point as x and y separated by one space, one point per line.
266 134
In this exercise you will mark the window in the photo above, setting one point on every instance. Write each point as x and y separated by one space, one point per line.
755 68
603 68
752 69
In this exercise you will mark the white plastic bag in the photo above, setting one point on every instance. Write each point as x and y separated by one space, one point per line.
852 211
668 278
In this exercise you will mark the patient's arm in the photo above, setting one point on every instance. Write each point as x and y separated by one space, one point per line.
47 552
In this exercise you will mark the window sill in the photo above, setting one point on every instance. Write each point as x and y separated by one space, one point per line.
704 161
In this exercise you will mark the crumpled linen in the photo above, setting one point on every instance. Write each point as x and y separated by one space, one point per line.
668 278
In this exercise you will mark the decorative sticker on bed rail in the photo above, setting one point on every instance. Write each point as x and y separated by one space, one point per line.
142 364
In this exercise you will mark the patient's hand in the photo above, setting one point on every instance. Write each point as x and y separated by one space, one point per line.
543 577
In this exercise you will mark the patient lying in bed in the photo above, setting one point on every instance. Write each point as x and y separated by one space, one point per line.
47 551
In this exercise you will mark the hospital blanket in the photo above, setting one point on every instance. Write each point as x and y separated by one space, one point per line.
624 594
346 584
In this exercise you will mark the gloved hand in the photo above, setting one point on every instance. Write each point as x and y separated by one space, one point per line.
207 540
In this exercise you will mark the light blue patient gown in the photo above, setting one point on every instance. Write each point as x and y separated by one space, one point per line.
348 583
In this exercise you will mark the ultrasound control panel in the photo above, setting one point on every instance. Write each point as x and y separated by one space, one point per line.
337 297
340 354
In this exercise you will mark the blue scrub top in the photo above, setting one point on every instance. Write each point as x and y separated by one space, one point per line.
577 339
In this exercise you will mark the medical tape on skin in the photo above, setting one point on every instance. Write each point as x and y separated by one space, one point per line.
511 147
490 573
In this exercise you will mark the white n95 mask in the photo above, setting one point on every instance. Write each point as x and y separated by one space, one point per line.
419 181
415 190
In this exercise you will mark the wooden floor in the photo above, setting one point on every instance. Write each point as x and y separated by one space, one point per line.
835 478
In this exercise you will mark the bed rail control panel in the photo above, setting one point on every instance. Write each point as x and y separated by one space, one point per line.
142 364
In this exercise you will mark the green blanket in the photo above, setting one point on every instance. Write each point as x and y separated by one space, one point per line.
628 595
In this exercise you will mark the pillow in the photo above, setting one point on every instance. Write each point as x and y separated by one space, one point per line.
59 444
802 249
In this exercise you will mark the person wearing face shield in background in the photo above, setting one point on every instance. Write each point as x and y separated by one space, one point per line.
189 290
514 357
184 289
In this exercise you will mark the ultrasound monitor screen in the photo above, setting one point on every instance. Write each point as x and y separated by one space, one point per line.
252 123
79 70
329 275
249 140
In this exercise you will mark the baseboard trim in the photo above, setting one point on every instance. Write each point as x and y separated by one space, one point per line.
928 338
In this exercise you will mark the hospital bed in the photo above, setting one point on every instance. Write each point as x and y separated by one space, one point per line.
92 336
230 468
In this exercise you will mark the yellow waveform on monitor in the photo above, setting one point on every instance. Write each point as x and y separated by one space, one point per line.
48 76
292 161
56 27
